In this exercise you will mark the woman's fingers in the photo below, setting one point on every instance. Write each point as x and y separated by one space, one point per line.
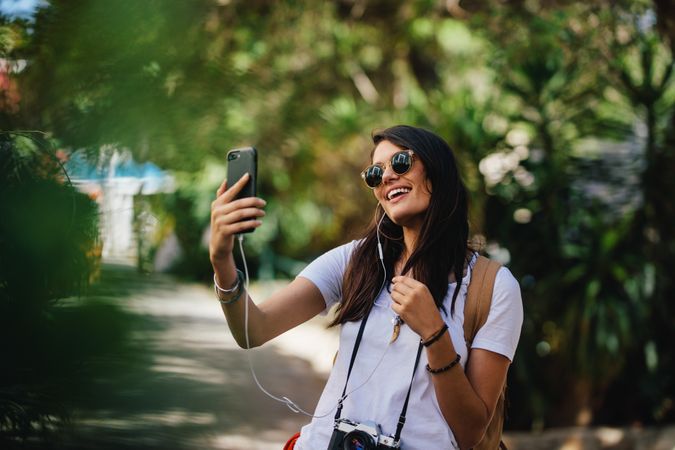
406 281
236 215
413 302
229 228
219 209
221 189
408 291
230 216
240 227
247 203
404 286
227 195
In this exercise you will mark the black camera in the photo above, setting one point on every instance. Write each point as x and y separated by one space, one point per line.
348 435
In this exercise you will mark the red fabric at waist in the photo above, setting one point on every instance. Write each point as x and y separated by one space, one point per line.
291 442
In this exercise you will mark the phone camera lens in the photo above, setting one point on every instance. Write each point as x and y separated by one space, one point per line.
232 156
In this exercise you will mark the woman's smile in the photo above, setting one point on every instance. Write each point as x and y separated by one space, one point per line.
395 194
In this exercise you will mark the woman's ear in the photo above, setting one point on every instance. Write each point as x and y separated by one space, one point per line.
428 185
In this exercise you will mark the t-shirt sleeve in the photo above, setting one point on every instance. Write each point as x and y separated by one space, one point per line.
501 331
326 273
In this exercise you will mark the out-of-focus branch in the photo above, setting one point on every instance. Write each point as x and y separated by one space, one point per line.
363 84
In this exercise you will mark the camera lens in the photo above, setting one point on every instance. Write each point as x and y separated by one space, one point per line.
359 440
232 156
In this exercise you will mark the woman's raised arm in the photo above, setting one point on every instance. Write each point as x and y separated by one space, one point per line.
296 303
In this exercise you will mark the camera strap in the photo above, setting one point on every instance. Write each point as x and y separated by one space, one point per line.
357 342
401 419
351 363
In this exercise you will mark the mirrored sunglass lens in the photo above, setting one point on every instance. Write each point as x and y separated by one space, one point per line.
400 162
373 176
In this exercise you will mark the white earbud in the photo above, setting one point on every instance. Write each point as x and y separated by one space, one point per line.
379 244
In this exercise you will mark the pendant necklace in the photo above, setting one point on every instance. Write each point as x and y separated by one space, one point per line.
397 328
397 321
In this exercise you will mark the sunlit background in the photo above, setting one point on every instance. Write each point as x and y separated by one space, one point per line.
115 118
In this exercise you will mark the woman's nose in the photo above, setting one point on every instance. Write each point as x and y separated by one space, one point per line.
389 175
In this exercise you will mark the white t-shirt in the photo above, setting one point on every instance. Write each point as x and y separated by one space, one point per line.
381 389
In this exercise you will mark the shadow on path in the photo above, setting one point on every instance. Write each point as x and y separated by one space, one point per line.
190 387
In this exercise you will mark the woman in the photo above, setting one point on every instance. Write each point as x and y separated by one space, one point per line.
422 223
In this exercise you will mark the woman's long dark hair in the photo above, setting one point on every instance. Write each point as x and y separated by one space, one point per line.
441 248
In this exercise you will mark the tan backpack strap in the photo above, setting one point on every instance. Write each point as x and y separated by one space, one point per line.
476 310
479 297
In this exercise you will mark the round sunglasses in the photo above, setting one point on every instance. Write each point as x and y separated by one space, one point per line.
400 163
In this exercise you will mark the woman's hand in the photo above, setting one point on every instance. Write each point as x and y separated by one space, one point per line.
413 302
229 217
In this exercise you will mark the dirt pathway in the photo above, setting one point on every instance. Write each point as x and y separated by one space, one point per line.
191 388
195 389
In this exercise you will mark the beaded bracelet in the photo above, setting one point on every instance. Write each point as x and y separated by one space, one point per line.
436 336
445 368
238 287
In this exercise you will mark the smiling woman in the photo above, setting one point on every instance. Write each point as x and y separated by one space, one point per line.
400 292
442 218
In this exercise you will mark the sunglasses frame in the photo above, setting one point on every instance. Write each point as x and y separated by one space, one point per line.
383 166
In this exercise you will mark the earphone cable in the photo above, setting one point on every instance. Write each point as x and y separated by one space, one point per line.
290 404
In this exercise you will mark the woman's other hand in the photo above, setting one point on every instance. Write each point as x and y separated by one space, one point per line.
229 217
413 302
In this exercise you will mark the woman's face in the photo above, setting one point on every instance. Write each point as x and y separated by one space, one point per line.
404 198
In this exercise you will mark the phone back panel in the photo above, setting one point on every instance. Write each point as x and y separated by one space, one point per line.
239 162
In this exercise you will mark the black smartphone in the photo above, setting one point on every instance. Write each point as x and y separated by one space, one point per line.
239 162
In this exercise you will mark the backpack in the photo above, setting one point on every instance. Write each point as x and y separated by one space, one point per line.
476 309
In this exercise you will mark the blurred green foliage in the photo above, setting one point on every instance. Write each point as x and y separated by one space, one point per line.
551 107
52 343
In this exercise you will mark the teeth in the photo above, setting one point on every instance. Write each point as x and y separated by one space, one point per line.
391 194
